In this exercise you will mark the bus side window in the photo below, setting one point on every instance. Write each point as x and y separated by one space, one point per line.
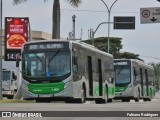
134 73
74 61
14 76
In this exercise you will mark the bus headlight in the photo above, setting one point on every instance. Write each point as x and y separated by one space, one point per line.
130 85
25 86
66 85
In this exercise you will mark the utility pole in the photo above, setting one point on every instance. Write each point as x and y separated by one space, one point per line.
73 19
109 15
1 37
81 33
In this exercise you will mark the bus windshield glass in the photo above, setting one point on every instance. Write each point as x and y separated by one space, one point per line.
6 75
123 75
47 65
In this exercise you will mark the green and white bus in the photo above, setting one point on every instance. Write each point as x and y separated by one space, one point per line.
66 70
134 80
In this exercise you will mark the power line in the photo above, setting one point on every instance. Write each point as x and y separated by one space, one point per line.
157 58
83 10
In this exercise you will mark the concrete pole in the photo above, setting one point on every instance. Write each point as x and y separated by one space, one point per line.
1 37
73 19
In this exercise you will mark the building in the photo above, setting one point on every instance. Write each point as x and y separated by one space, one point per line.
36 35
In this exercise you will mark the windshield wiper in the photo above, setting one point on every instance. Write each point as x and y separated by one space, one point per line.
56 53
38 57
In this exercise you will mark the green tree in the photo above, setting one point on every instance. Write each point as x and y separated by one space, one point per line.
56 14
128 55
102 44
157 74
115 46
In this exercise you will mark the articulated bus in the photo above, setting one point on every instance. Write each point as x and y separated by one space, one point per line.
66 70
133 80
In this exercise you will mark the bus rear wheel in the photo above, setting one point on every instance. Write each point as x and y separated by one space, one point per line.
102 100
138 97
109 100
83 96
150 95
145 99
125 100
43 100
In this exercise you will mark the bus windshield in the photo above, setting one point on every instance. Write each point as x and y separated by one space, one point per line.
6 75
47 65
123 75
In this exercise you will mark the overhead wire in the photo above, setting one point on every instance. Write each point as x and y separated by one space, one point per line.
85 10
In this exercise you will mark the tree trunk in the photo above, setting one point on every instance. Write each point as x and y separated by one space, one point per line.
56 20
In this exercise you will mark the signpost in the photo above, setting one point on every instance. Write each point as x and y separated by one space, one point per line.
124 22
15 35
150 15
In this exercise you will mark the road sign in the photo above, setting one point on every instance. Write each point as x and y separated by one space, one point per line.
124 22
150 15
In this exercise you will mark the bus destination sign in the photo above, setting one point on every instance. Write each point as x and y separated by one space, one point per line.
121 63
42 46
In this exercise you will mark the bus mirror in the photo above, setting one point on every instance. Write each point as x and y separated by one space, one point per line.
75 60
15 77
111 80
135 72
17 62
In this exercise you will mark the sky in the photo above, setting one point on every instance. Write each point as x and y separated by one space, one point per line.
144 40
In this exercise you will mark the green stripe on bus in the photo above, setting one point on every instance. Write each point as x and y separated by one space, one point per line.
120 89
153 91
111 90
47 88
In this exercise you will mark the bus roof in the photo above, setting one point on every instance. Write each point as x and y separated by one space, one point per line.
91 47
85 45
135 60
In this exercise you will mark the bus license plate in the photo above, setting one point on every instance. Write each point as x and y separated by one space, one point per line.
117 94
45 95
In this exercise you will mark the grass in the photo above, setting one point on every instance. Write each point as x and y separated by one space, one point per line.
4 100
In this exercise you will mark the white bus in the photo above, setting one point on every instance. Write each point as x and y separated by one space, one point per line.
134 80
66 70
9 83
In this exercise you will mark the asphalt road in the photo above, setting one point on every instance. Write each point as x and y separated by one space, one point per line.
117 107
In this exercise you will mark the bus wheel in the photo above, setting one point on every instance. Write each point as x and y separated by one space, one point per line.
83 96
98 101
68 101
43 100
138 97
150 95
10 97
126 100
144 99
105 100
102 100
109 100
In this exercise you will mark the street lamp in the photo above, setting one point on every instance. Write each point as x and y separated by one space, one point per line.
1 49
109 15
